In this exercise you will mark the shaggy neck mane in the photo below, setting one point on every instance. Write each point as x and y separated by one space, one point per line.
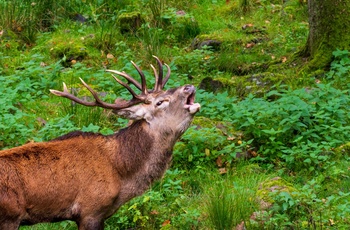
135 144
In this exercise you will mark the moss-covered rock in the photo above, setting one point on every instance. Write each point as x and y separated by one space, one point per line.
130 22
241 86
257 84
202 40
71 49
270 186
343 149
211 85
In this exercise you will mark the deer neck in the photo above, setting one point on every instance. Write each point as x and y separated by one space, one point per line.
141 159
143 147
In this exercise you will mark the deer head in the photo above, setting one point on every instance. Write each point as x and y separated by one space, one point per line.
174 107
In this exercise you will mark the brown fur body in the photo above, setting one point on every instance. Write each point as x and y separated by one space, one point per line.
76 173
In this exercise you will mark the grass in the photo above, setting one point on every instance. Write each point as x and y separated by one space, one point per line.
232 198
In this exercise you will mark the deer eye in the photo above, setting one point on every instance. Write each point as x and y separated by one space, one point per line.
159 103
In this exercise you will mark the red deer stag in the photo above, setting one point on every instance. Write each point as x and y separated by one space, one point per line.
86 177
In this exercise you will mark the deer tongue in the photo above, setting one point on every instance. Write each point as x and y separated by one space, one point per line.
193 108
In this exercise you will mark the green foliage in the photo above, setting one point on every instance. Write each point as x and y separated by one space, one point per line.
163 207
194 63
181 24
306 125
340 69
198 147
307 209
17 124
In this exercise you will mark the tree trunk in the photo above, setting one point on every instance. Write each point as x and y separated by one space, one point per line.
329 23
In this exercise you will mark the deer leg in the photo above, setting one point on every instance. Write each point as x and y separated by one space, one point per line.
8 225
91 224
9 217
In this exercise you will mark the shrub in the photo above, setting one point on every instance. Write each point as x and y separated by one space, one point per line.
293 128
300 127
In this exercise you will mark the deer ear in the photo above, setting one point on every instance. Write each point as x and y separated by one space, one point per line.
136 112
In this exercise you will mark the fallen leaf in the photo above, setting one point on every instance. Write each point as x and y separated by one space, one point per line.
110 56
284 59
247 26
253 153
165 223
206 57
105 63
250 45
222 171
219 161
154 212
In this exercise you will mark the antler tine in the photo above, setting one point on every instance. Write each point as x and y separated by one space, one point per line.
143 79
98 101
155 75
165 80
134 95
159 77
127 77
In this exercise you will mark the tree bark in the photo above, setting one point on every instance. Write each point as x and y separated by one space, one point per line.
329 29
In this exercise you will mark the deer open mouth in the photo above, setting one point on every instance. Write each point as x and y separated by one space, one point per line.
190 99
190 105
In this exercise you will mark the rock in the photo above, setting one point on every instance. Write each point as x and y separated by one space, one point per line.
199 43
273 185
211 85
130 22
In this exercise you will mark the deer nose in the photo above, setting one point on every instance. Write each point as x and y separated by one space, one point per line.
189 88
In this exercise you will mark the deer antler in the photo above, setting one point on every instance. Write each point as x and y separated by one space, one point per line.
160 82
121 104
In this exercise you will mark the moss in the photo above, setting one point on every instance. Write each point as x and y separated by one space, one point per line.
343 149
130 21
328 31
203 122
270 186
241 86
71 49
228 9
